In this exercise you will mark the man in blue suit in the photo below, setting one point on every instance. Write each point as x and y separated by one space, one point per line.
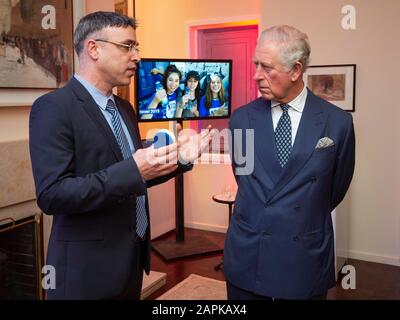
280 242
91 172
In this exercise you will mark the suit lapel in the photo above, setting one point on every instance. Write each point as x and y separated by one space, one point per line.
311 125
264 140
129 124
95 114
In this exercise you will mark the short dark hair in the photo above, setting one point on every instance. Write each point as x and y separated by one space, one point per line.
193 74
97 21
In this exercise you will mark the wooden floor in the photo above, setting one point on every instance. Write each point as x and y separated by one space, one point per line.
373 280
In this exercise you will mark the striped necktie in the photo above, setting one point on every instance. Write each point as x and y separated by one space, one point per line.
141 217
283 136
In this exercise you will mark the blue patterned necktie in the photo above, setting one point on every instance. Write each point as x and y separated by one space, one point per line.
141 217
283 136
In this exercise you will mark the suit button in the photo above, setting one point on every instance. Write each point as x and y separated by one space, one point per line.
267 204
296 238
265 233
313 179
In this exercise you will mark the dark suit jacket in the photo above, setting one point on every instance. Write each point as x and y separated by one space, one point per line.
280 241
82 180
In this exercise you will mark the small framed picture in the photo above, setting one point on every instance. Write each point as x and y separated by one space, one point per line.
334 83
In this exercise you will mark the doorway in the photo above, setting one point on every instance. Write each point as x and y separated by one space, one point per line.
233 42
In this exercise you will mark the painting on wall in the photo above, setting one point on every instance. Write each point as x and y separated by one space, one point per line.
334 83
36 46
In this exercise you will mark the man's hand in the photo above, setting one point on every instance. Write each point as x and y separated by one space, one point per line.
153 163
190 147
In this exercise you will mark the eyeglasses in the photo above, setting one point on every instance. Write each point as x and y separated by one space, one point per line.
133 47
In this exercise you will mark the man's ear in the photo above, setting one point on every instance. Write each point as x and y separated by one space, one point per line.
92 49
297 71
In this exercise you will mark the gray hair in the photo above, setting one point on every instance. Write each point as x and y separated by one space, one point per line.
293 45
97 21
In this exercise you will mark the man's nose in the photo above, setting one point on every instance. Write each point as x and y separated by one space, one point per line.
135 57
258 75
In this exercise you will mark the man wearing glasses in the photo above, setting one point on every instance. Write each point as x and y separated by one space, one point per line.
91 172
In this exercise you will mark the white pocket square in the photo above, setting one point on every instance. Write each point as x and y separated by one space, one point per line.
324 143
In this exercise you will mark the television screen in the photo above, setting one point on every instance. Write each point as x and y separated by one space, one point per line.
183 89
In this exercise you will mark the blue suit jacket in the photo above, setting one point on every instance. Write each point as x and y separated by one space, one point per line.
82 179
280 240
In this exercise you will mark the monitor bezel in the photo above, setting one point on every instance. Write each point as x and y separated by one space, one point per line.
184 118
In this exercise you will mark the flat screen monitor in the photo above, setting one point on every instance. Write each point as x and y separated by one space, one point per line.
183 89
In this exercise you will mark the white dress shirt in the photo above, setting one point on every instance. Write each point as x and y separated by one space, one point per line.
295 111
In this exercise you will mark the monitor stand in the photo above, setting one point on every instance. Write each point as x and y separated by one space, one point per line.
198 245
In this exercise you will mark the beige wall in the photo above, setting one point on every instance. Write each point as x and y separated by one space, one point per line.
99 5
374 228
14 123
162 23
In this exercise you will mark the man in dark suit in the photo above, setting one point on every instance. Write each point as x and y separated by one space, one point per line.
280 242
91 172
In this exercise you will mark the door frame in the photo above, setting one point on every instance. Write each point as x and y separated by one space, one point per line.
193 27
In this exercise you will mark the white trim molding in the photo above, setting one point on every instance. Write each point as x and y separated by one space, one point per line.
206 227
370 257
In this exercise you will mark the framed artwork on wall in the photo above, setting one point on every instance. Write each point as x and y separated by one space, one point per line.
334 83
36 45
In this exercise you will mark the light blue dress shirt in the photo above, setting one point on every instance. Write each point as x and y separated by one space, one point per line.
101 101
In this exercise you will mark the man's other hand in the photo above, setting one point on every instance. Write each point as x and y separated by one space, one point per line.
153 163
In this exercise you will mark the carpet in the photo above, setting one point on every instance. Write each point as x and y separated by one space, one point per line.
196 287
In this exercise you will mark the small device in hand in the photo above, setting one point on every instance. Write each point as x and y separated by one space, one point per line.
163 138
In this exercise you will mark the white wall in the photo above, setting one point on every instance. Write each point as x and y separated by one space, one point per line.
204 181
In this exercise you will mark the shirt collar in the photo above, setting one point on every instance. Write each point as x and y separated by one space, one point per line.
96 94
297 103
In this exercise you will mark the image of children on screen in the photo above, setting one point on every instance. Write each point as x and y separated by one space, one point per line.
190 100
183 89
164 102
213 102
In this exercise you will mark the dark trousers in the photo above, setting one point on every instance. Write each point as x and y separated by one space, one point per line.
236 293
134 288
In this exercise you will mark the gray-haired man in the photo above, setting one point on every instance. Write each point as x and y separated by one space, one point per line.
280 241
